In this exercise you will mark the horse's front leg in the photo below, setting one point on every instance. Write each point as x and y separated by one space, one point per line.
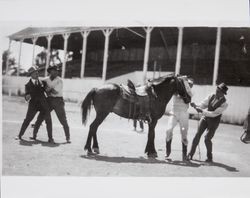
150 147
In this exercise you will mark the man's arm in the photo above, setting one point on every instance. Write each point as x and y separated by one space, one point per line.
27 92
202 105
216 112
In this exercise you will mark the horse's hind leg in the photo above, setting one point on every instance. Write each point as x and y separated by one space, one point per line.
92 132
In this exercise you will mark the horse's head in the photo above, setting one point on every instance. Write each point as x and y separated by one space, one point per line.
181 88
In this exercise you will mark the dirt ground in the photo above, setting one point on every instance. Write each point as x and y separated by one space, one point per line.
122 149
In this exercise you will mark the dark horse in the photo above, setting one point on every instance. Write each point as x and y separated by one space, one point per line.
106 98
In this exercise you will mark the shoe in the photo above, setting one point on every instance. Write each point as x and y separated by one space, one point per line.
51 141
246 139
185 158
33 138
18 138
189 157
68 141
209 160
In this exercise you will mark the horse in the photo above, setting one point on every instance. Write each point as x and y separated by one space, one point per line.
106 98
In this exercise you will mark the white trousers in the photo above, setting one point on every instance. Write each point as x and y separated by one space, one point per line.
181 117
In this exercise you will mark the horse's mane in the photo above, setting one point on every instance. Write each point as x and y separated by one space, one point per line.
160 80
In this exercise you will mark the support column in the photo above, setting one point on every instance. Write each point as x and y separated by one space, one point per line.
65 37
7 61
146 53
217 55
49 38
106 33
179 51
33 50
84 47
19 57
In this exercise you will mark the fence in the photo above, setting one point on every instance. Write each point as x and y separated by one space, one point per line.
238 98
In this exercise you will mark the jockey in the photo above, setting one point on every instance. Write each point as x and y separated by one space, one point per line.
179 113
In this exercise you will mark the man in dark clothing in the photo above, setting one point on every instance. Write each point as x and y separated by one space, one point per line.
35 94
211 109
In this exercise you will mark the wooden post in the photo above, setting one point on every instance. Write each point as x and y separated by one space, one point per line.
65 37
33 51
19 57
49 38
106 33
7 61
84 49
179 51
217 55
146 53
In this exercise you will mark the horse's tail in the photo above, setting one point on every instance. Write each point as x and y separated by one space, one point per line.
86 105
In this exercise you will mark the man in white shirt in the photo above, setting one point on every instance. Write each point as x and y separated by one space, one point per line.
211 108
54 90
179 113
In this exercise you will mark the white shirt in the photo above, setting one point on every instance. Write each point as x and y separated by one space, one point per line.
56 85
216 112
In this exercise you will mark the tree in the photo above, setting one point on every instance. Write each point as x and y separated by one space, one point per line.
5 56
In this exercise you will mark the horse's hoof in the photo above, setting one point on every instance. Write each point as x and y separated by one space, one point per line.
96 150
152 155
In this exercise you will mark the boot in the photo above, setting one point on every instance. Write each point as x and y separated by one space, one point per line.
168 147
184 152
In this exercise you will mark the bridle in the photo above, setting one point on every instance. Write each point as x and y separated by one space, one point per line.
180 85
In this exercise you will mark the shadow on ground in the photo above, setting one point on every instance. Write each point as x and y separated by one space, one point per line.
139 160
220 165
43 143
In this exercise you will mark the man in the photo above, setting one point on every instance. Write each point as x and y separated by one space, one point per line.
54 89
211 108
179 113
35 94
246 127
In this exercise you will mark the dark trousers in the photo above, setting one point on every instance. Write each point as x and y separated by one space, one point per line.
42 107
57 104
209 124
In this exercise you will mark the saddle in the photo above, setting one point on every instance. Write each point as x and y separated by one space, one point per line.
140 98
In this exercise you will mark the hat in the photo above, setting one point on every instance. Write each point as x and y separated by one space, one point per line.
223 87
32 69
53 68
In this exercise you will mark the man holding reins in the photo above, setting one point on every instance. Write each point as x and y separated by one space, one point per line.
211 109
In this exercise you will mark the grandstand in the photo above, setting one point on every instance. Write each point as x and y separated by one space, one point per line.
127 45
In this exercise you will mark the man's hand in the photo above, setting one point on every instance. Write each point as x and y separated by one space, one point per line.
168 113
27 97
199 110
53 91
48 89
192 104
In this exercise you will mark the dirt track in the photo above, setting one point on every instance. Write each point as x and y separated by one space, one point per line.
122 149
